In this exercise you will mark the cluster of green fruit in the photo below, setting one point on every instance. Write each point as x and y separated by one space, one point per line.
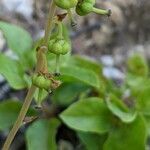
83 7
58 45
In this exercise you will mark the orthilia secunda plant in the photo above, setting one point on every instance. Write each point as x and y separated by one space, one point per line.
42 79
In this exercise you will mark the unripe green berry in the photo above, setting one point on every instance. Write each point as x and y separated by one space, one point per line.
47 84
40 82
87 6
66 4
79 11
50 45
34 77
59 46
84 8
66 48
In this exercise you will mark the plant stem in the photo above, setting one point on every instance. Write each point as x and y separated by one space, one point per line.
39 98
32 89
20 119
71 17
57 64
102 11
60 30
49 22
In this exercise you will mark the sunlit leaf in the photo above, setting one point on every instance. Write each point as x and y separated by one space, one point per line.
12 71
20 42
17 38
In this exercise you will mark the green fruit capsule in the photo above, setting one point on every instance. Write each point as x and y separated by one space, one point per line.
66 48
34 78
84 9
59 46
40 82
50 45
66 4
47 84
87 6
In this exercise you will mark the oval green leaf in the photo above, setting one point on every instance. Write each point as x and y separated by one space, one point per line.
89 115
131 136
71 90
72 73
9 111
41 135
119 109
17 38
87 63
12 71
92 141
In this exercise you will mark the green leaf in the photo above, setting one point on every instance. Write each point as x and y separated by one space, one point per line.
87 63
136 84
9 111
13 72
17 38
20 42
131 136
71 90
89 115
143 101
138 66
92 141
119 109
72 73
41 135
28 59
147 119
140 88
